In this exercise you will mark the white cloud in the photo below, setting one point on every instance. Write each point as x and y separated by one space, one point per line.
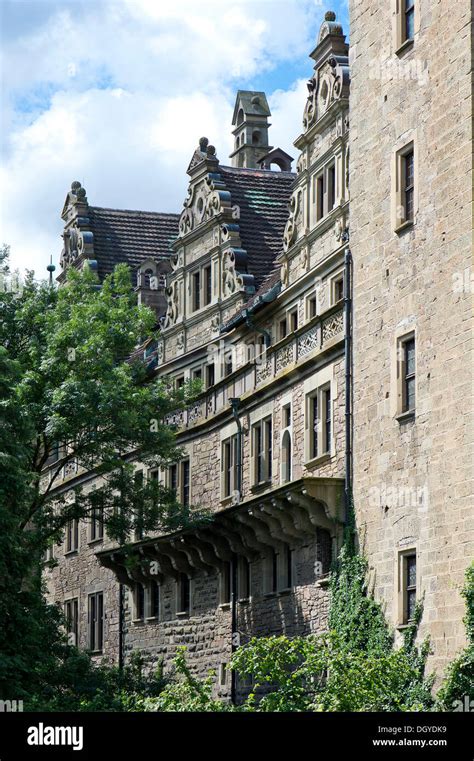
119 97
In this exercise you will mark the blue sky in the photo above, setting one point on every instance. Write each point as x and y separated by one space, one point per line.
116 93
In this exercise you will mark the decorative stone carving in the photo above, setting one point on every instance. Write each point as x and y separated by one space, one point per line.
333 325
216 323
172 310
231 280
308 341
294 220
302 163
180 341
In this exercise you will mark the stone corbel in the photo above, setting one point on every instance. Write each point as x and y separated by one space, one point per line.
272 524
248 537
193 555
259 528
235 542
218 543
281 513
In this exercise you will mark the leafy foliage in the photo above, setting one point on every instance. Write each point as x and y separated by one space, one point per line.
185 692
459 683
78 685
69 394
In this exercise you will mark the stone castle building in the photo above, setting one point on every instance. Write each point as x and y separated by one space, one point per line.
335 358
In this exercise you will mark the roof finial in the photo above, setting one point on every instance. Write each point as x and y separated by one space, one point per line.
329 16
51 268
203 143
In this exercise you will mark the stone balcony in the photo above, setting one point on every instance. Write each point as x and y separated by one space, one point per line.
316 336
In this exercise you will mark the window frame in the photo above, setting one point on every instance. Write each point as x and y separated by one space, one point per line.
262 451
319 426
74 619
72 536
403 409
95 627
183 595
402 219
229 475
405 590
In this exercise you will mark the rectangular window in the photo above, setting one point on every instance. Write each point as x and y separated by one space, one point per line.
327 419
319 426
179 382
228 367
153 599
287 567
226 583
405 186
138 480
408 174
263 451
406 373
96 622
408 581
173 478
185 482
207 285
243 578
314 426
210 375
286 415
282 329
71 614
72 535
196 290
409 377
197 374
184 594
229 466
293 320
320 191
409 19
338 289
311 306
97 524
331 187
223 674
139 602
274 571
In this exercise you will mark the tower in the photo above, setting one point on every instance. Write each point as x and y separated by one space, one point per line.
250 123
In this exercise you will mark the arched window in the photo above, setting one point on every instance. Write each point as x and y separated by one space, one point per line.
286 457
240 116
146 277
256 137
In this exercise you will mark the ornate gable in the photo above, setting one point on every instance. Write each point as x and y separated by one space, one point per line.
77 236
209 235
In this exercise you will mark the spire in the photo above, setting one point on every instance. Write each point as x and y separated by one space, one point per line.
250 122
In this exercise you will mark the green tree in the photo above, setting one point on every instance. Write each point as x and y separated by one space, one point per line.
457 690
71 393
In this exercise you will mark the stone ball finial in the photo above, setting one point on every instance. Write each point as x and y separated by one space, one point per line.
329 16
75 185
203 143
211 151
